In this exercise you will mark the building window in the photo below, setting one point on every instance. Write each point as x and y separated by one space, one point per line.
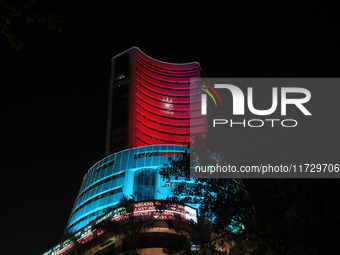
144 185
170 184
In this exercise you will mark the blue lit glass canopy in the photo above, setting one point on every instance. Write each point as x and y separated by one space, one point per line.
133 173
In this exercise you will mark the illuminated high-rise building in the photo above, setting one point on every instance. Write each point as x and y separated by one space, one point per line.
148 122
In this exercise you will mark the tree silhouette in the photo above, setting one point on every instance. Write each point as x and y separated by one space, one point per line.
16 14
272 216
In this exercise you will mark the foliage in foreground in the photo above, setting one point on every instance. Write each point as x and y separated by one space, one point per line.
272 216
15 15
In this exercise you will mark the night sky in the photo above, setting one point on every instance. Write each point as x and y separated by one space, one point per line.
54 92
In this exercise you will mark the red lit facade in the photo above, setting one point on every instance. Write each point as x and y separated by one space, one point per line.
149 101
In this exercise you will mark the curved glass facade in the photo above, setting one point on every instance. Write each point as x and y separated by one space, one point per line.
150 102
162 101
133 173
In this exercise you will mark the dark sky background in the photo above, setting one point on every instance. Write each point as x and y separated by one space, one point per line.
54 92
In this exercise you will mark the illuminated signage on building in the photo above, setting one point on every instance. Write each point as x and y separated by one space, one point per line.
158 210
